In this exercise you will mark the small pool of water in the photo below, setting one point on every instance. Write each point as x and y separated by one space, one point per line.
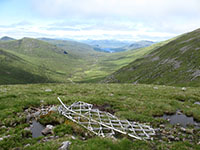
181 119
36 129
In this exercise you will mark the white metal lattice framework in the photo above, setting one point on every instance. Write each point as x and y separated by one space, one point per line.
103 123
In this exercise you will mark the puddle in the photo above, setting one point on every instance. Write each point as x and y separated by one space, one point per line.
181 119
36 129
197 103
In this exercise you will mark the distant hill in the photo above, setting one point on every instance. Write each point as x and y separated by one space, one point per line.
176 63
140 44
106 43
6 38
112 46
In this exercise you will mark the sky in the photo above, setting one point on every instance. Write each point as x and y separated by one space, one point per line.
130 20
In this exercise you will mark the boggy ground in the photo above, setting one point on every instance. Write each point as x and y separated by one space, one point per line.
143 103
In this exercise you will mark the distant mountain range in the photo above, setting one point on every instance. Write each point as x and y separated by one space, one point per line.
6 38
111 46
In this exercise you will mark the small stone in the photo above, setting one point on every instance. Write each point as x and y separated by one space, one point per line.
36 114
53 109
46 131
179 113
1 139
65 145
111 94
162 126
41 101
3 127
198 143
27 145
189 131
73 137
182 129
183 89
51 137
155 88
171 137
168 120
27 129
7 136
49 126
48 90
177 139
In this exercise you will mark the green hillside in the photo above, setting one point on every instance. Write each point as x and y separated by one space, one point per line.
176 63
14 69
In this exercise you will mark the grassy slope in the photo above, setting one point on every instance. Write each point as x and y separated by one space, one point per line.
16 70
176 63
135 102
49 56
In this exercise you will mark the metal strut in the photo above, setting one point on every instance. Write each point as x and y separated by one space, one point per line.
103 123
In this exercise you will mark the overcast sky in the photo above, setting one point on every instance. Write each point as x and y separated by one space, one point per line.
131 20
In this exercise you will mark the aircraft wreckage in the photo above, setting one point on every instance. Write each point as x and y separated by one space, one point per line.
103 123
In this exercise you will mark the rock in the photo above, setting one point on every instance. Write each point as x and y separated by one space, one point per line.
49 126
179 113
27 145
48 90
29 117
36 114
73 137
162 126
111 94
51 137
27 129
189 131
171 137
168 120
47 130
198 143
182 129
183 89
177 139
155 88
65 145
7 136
1 139
41 101
3 127
53 109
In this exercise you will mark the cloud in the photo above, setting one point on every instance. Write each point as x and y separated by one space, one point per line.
118 8
107 19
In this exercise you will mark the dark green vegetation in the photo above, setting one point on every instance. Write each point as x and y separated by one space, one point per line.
176 63
135 102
